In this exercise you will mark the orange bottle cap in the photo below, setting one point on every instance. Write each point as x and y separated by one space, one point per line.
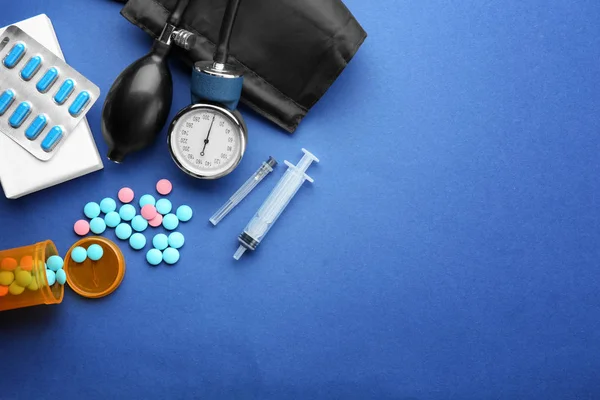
95 279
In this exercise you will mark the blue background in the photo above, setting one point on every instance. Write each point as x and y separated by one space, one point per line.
448 248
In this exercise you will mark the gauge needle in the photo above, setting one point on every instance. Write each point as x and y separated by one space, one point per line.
208 136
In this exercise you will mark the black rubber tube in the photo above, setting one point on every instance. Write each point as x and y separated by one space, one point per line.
176 15
227 24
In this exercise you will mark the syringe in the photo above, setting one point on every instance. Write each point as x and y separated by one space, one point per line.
277 201
244 190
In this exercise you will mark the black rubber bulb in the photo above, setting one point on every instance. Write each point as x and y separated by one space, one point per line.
138 104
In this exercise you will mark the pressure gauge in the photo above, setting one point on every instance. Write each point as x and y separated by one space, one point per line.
207 141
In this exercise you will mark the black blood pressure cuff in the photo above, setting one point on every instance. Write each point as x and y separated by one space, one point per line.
292 50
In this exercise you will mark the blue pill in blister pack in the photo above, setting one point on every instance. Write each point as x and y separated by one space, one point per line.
15 55
64 91
47 80
20 114
52 138
31 68
6 99
36 127
79 103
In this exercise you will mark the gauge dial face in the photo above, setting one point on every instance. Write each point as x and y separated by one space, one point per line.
206 142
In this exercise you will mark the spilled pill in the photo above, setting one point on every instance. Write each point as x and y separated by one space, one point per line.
154 256
164 206
170 222
164 187
126 195
112 219
81 227
137 241
108 205
176 240
123 231
171 256
127 212
97 225
184 213
91 210
54 263
149 212
51 277
156 222
79 254
139 223
95 252
147 199
160 241
61 276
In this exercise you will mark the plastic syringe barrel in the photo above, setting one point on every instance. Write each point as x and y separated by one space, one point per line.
244 190
280 197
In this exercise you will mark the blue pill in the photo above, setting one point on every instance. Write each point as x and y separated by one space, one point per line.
64 91
6 100
108 205
52 138
31 68
171 255
91 210
54 263
163 206
97 225
123 231
79 254
147 199
176 240
137 241
154 256
112 219
139 223
184 213
127 212
79 103
15 55
20 114
36 127
51 276
160 241
47 80
95 252
61 276
170 222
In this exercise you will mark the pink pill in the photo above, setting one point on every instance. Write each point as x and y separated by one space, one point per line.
156 221
164 187
149 212
82 227
126 195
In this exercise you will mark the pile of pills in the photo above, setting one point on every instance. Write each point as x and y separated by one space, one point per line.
18 275
130 223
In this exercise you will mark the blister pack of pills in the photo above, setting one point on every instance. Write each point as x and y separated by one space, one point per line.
42 98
